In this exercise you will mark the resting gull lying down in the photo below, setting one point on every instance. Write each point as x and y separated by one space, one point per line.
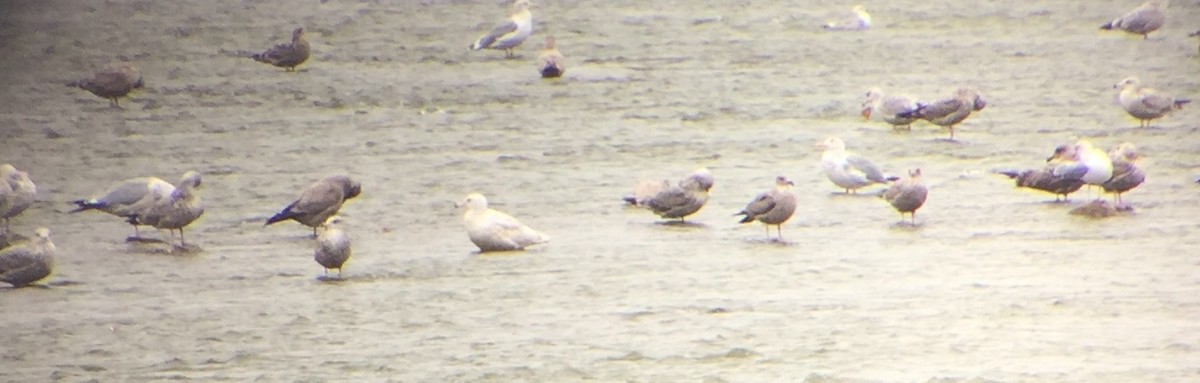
860 21
493 230
29 262
678 201
511 33
772 207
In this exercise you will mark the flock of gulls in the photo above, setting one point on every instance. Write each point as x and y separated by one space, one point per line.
153 202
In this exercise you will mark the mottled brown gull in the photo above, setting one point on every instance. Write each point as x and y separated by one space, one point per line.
1126 175
29 262
1142 20
319 201
20 194
772 207
128 198
492 230
907 195
112 82
1044 179
1145 103
286 55
333 245
948 112
678 201
176 211
511 33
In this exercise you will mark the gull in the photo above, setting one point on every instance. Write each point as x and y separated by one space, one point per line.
492 230
112 82
1145 103
907 195
1126 175
511 33
848 171
772 207
333 245
679 201
177 210
1090 165
1044 178
286 55
19 193
27 263
889 107
319 201
860 21
127 198
550 62
948 112
1142 20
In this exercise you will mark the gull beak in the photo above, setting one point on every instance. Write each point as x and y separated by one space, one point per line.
866 112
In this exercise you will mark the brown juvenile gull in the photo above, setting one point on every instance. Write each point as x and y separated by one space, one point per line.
1142 20
177 210
949 111
286 55
1145 103
889 107
511 33
1044 178
550 62
493 230
1126 175
112 82
847 170
27 263
860 21
333 245
128 198
907 195
319 201
772 207
21 193
679 201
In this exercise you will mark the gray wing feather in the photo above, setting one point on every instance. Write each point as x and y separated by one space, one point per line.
867 167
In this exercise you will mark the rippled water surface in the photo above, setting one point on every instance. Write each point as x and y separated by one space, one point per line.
993 284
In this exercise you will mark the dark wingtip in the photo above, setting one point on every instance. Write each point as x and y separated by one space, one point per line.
629 199
1107 26
1181 102
892 178
1010 173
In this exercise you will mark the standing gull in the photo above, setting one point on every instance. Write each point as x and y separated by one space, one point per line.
112 82
27 263
889 107
20 195
1145 103
1044 178
679 201
127 198
286 55
177 210
907 195
949 111
1126 175
1142 20
319 201
860 21
773 207
550 62
848 171
493 230
333 245
511 33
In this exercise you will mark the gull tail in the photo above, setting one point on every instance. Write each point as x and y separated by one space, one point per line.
1181 102
85 205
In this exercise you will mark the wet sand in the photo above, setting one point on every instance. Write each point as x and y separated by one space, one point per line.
994 284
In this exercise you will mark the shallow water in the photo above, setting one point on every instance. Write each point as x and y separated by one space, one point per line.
993 284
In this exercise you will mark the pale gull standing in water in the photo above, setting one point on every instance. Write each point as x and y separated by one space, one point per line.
889 107
551 62
492 230
1142 20
860 21
1145 103
948 112
1044 179
847 170
177 210
319 201
907 195
286 55
679 201
112 82
511 33
27 263
19 197
333 245
128 198
772 207
1126 175
1091 165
